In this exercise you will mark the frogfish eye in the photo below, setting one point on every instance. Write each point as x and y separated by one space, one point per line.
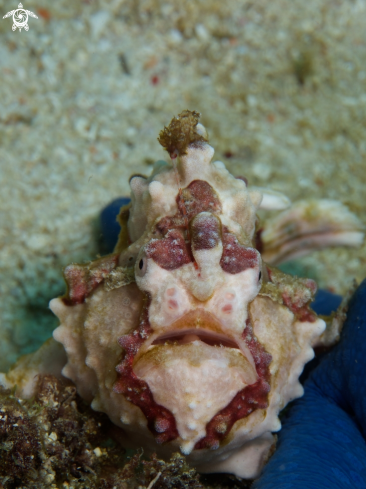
141 266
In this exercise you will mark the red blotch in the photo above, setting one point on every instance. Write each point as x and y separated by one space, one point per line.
44 13
258 240
205 232
270 274
160 420
243 178
295 293
246 401
298 308
235 257
168 223
82 280
155 80
76 278
311 285
170 252
198 197
173 304
227 308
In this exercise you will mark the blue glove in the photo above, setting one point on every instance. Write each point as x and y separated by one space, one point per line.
322 443
110 228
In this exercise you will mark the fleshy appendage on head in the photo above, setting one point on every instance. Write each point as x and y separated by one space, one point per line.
183 131
183 335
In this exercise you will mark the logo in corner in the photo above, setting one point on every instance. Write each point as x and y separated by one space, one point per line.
20 18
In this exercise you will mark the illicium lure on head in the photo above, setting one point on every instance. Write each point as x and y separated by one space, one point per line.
184 335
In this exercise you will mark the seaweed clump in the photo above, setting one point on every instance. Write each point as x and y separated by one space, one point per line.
180 133
56 441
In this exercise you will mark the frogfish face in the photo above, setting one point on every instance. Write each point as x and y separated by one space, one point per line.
183 336
196 359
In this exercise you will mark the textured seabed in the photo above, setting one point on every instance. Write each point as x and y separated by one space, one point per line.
281 86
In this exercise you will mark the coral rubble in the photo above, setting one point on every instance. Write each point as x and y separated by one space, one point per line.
56 441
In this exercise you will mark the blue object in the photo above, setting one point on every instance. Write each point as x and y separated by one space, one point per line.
322 443
325 302
109 226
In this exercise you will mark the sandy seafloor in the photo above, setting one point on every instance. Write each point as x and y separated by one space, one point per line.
281 86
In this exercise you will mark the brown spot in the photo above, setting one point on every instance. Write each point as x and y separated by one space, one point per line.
319 182
154 80
44 13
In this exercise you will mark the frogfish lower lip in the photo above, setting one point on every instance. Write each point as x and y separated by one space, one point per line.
197 325
184 336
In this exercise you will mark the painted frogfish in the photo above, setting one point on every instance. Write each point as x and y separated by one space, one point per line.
185 335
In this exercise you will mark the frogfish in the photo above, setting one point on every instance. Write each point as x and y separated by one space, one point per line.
186 335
